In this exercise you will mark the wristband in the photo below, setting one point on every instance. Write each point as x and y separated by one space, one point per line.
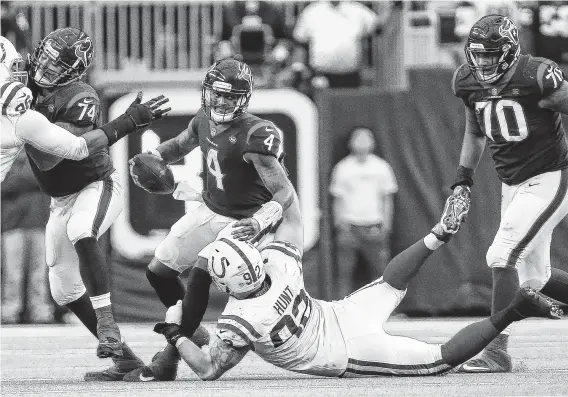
464 177
180 341
118 128
268 214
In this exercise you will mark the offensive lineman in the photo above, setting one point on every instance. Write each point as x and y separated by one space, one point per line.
243 179
514 102
86 194
270 313
21 125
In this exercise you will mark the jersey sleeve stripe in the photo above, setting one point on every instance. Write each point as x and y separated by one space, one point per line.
258 126
540 76
361 367
285 250
236 330
9 93
227 318
242 255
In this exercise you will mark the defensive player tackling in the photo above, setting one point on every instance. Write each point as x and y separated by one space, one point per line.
270 312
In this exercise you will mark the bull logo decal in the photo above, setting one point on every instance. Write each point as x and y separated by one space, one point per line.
2 52
84 51
508 29
245 73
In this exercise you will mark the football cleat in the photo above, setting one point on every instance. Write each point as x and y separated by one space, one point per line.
491 361
456 209
163 368
531 303
122 365
110 344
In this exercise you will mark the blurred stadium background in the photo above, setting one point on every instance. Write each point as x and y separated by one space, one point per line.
404 98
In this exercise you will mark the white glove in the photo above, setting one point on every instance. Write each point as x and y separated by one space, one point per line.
173 315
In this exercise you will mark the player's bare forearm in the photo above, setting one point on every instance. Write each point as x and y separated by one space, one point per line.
210 366
274 177
292 228
473 142
177 148
558 100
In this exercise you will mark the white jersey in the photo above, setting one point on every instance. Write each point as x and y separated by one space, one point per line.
21 125
286 326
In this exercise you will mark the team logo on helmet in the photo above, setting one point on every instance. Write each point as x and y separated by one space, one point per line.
82 50
509 30
245 73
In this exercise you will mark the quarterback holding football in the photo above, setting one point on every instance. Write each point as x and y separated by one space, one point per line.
243 179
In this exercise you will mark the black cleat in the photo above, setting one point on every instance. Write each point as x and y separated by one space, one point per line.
531 303
163 368
122 365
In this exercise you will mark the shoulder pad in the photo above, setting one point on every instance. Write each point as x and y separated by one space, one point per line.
238 330
463 81
16 98
265 138
79 105
547 74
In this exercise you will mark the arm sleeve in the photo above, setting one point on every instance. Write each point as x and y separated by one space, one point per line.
35 129
336 185
390 185
265 138
195 300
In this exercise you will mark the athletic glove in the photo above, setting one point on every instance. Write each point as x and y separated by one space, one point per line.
170 328
137 116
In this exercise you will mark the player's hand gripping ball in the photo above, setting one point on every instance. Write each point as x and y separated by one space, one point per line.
152 174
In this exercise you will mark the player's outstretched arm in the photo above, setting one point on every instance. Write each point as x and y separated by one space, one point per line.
276 181
557 100
207 365
472 149
178 147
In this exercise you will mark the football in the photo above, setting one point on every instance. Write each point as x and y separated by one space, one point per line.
153 173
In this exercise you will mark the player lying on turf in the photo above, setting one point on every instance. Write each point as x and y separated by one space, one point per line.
270 312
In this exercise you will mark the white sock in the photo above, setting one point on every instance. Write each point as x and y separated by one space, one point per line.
431 242
101 300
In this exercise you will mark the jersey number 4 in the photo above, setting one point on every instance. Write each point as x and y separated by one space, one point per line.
510 118
294 324
215 168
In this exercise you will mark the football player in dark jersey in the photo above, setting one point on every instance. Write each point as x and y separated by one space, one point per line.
243 179
86 194
513 103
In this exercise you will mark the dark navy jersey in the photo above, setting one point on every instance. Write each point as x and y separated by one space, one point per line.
525 140
232 186
76 103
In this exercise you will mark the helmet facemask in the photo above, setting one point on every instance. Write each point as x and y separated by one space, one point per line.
223 106
492 48
226 90
489 65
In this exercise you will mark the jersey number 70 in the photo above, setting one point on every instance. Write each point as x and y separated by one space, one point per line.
510 119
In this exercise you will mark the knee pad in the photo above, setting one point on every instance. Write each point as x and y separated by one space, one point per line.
499 255
77 229
167 251
66 285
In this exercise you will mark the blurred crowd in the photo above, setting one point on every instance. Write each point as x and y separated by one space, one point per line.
327 47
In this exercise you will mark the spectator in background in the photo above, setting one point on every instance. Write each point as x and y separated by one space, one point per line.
362 186
330 35
15 27
257 31
25 209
